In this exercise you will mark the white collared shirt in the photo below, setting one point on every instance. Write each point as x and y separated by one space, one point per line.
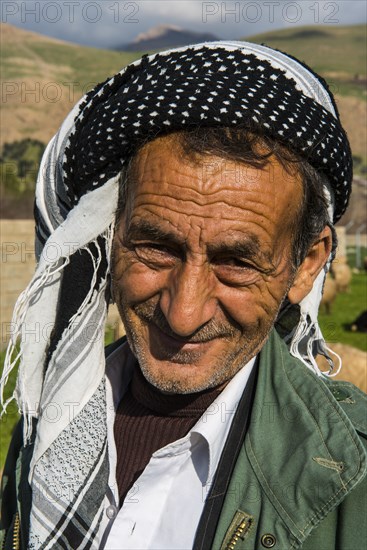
163 508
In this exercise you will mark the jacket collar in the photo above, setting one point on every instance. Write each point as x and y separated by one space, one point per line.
300 442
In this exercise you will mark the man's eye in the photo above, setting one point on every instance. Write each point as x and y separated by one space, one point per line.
235 271
233 262
155 254
236 262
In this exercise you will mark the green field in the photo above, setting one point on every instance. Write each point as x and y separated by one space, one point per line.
345 309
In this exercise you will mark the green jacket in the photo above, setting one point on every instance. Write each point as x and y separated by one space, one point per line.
296 483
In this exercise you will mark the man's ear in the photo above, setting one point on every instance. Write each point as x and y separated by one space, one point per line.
311 266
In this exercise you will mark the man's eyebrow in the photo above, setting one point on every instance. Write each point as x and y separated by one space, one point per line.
244 248
248 247
142 229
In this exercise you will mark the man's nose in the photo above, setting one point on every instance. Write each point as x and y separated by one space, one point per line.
188 300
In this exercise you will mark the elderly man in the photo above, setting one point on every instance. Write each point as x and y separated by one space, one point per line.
198 189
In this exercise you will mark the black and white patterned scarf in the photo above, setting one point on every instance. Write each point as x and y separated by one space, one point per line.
61 375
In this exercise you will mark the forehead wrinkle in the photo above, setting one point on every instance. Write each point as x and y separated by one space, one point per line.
254 204
199 192
247 198
199 183
197 196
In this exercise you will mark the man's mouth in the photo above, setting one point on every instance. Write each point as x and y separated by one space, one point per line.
204 334
182 340
176 349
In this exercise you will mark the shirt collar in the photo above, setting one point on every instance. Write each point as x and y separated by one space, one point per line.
216 421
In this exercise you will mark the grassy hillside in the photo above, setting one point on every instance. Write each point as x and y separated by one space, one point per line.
26 53
43 78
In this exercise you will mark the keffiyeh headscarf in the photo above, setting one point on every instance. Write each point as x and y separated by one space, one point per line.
61 375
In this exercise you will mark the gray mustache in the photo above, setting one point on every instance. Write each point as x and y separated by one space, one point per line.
152 313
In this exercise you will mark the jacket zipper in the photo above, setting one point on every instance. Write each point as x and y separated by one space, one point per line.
16 532
239 533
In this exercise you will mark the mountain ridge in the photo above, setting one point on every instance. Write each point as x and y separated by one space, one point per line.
164 36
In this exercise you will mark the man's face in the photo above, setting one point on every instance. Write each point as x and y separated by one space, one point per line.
201 263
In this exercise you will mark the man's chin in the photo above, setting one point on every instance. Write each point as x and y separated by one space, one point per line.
187 384
184 374
172 375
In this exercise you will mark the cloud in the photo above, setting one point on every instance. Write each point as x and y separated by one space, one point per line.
105 23
189 10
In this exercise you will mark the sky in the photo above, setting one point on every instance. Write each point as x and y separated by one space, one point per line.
110 23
